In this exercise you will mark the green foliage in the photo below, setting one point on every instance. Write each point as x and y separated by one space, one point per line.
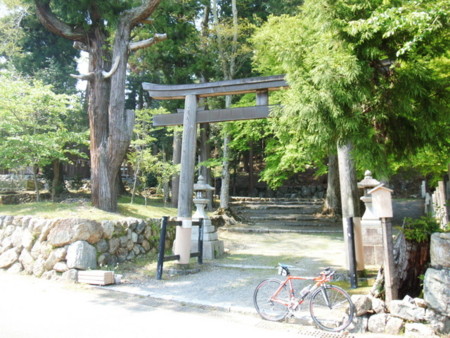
10 31
33 130
46 56
33 51
365 72
76 182
429 162
147 165
409 27
419 230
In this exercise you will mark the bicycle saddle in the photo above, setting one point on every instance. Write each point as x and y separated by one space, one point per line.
283 269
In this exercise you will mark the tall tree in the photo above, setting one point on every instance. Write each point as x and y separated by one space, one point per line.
104 30
232 54
360 72
182 59
10 29
33 125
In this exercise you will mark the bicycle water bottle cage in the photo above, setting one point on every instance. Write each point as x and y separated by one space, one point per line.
283 270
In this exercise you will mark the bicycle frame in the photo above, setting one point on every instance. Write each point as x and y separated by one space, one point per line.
330 306
319 281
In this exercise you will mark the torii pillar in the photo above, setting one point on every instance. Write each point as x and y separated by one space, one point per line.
182 244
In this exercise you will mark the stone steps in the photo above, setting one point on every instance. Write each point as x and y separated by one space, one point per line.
293 221
281 215
274 209
278 201
245 228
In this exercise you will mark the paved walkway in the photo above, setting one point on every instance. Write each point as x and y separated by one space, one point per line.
220 287
227 284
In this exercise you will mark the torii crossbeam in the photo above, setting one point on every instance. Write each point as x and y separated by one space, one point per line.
189 119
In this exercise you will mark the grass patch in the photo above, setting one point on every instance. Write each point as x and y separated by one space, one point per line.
144 265
362 289
154 209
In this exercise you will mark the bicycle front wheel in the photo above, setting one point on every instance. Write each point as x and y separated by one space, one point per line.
271 299
331 308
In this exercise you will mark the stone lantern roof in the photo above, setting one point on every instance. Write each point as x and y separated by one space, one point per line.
201 185
368 182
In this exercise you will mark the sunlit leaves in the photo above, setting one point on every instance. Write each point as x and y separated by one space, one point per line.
409 26
34 124
361 71
142 157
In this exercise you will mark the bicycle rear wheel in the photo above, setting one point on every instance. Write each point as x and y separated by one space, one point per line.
268 303
331 308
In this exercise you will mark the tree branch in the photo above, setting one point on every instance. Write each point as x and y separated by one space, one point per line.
141 13
113 68
80 46
147 43
85 77
56 26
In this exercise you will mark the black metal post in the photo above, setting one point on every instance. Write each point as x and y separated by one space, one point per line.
162 245
351 252
200 241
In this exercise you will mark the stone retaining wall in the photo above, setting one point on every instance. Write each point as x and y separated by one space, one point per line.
53 247
18 198
428 317
436 286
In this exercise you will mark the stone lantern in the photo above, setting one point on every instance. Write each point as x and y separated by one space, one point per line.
212 247
372 238
367 184
200 200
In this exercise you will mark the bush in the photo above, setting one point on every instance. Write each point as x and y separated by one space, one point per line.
76 182
420 230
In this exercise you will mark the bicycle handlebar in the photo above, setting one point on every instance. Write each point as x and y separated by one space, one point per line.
327 272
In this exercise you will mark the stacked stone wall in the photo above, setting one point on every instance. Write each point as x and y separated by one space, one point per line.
427 317
60 247
15 198
437 278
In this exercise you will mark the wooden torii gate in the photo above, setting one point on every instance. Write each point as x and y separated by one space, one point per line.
189 119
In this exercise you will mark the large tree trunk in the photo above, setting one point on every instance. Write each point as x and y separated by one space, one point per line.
57 181
228 64
110 125
347 182
36 183
135 179
350 199
411 261
332 200
251 174
102 189
225 187
176 160
204 156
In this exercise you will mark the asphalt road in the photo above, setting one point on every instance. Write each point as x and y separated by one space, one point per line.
32 308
